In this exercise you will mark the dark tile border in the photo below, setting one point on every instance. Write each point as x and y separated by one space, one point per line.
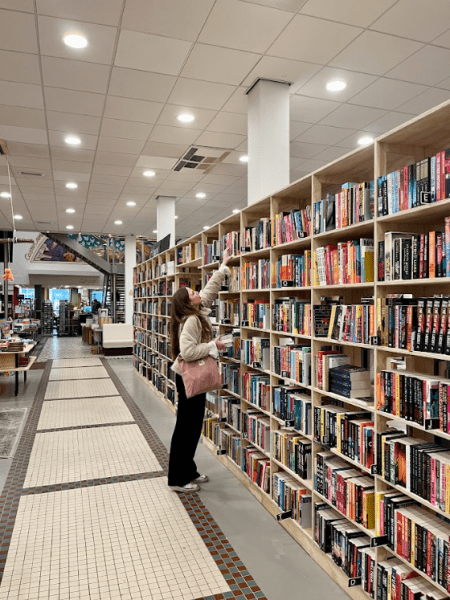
95 426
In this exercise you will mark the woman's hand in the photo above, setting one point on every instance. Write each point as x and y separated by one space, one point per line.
225 257
220 345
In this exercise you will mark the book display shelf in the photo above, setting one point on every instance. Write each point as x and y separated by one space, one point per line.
335 409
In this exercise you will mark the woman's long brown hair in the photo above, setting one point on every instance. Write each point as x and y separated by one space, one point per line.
182 308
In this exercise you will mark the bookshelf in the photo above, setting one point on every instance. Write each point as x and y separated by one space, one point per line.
251 385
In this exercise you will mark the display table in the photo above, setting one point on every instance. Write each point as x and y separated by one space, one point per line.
15 368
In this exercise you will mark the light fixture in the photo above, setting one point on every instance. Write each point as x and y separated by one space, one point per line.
205 226
131 203
236 210
75 41
365 140
155 231
117 222
243 158
71 185
18 217
69 226
72 140
176 216
200 195
186 118
5 195
337 85
70 210
149 173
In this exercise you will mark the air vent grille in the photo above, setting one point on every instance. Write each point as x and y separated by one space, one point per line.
31 174
202 159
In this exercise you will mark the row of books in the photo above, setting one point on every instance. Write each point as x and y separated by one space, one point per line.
353 322
189 252
349 490
162 288
232 242
333 373
353 204
292 361
256 313
397 581
350 432
292 405
230 409
211 252
291 497
256 352
144 291
255 275
292 315
257 467
345 262
292 270
233 281
164 269
257 429
420 183
234 351
405 256
293 451
291 226
258 237
256 390
230 376
229 312
229 441
141 276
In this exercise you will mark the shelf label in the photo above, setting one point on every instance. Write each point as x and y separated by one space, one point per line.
289 423
284 515
375 340
425 197
284 374
354 581
225 386
222 420
245 435
245 324
209 414
374 470
431 424
285 283
221 452
224 288
256 365
245 249
226 322
216 258
380 540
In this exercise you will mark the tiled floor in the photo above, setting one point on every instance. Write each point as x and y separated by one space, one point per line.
78 373
88 512
64 347
76 362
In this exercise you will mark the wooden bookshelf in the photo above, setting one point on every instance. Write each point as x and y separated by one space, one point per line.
419 138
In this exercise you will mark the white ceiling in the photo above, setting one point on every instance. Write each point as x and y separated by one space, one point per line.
149 60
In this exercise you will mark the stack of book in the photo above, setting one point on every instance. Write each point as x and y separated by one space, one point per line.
350 381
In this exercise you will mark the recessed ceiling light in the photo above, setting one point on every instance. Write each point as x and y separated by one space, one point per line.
149 173
70 210
18 217
337 85
200 195
365 140
236 210
69 226
176 216
5 195
117 222
205 226
72 140
71 185
75 41
243 158
131 203
186 118
155 231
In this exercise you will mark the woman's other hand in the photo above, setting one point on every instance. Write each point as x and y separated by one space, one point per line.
220 345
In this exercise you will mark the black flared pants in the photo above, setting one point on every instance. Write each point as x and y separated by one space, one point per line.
188 428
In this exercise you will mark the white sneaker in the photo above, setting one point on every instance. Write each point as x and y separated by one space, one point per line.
189 487
201 479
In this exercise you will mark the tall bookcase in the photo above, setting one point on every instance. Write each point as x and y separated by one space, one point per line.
422 137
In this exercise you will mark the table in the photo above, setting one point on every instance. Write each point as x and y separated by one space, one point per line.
27 348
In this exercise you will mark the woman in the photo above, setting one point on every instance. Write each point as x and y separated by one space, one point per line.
191 339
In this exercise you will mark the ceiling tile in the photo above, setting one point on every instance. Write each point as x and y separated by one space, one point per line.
310 110
105 12
151 52
125 129
352 12
17 32
387 93
19 67
302 150
112 170
22 117
128 109
217 179
243 26
88 142
174 135
169 18
69 166
156 162
99 49
170 112
22 5
33 164
322 134
221 65
296 128
237 102
187 175
229 123
169 150
233 158
21 94
112 180
443 40
313 164
71 175
429 66
313 40
140 85
316 86
353 117
272 67
82 103
415 20
19 149
389 121
331 153
220 140
429 99
201 94
71 123
26 135
112 144
75 75
116 158
375 53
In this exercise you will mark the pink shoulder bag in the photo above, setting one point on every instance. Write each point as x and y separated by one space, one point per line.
200 376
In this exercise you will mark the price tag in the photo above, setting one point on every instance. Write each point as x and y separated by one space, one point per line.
431 424
380 540
284 515
221 452
374 470
289 423
256 365
354 581
285 283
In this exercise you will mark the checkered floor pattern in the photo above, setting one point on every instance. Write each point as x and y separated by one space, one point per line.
89 513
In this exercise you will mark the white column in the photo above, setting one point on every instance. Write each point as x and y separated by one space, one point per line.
165 218
268 138
130 263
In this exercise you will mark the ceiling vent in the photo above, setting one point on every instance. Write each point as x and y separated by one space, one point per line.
202 159
3 148
32 174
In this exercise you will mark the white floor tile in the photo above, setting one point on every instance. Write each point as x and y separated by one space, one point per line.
78 373
84 388
83 411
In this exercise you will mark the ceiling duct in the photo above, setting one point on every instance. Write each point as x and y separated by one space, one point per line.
32 174
201 158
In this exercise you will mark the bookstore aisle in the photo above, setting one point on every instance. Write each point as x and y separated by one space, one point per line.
86 512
